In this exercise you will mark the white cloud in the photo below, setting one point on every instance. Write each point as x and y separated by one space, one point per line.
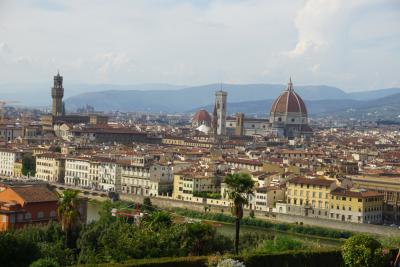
4 48
333 42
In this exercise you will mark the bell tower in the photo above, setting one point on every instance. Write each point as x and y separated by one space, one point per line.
57 94
220 110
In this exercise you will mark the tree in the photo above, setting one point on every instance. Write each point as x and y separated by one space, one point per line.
28 165
159 219
147 205
240 187
69 216
363 251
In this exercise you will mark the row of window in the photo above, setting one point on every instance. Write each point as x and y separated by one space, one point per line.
307 194
28 216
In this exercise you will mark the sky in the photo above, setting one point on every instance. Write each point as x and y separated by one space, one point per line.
353 45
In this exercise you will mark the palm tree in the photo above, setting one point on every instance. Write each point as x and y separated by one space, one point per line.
240 187
69 215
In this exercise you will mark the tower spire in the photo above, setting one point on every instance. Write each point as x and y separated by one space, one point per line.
290 85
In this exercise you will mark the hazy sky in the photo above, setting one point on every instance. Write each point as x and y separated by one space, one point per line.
351 44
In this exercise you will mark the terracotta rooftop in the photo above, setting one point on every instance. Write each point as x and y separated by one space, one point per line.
308 181
359 194
32 194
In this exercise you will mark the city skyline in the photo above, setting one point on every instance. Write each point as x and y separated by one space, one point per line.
350 45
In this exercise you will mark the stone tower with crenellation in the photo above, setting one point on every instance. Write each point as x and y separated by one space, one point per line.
57 94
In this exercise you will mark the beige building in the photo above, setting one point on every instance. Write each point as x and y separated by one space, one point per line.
265 198
188 184
50 167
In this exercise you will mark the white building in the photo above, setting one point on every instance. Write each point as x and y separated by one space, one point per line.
8 157
109 175
140 176
77 170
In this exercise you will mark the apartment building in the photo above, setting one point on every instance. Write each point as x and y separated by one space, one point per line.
161 179
50 167
135 175
309 197
188 184
109 174
77 172
265 198
8 158
245 164
22 205
356 205
142 175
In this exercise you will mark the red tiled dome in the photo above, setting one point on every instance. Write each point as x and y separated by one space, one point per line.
289 101
202 115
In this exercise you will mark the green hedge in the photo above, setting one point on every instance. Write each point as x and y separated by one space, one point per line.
161 262
294 228
327 258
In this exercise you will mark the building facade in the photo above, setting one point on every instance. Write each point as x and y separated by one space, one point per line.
357 206
309 197
24 205
50 167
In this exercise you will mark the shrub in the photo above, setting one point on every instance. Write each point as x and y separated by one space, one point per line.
45 263
230 263
363 251
281 243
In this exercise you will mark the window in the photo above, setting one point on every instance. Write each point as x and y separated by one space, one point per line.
40 215
28 216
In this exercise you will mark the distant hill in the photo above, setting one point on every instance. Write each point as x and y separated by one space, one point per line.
38 94
374 94
386 108
159 97
188 98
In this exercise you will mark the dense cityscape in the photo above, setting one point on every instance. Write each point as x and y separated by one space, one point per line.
344 178
214 133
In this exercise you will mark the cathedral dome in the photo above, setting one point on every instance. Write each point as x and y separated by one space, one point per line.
202 117
289 102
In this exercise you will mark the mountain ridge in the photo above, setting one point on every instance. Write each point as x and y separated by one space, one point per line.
185 99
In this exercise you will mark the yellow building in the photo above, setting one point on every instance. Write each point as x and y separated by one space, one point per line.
17 169
358 206
309 197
